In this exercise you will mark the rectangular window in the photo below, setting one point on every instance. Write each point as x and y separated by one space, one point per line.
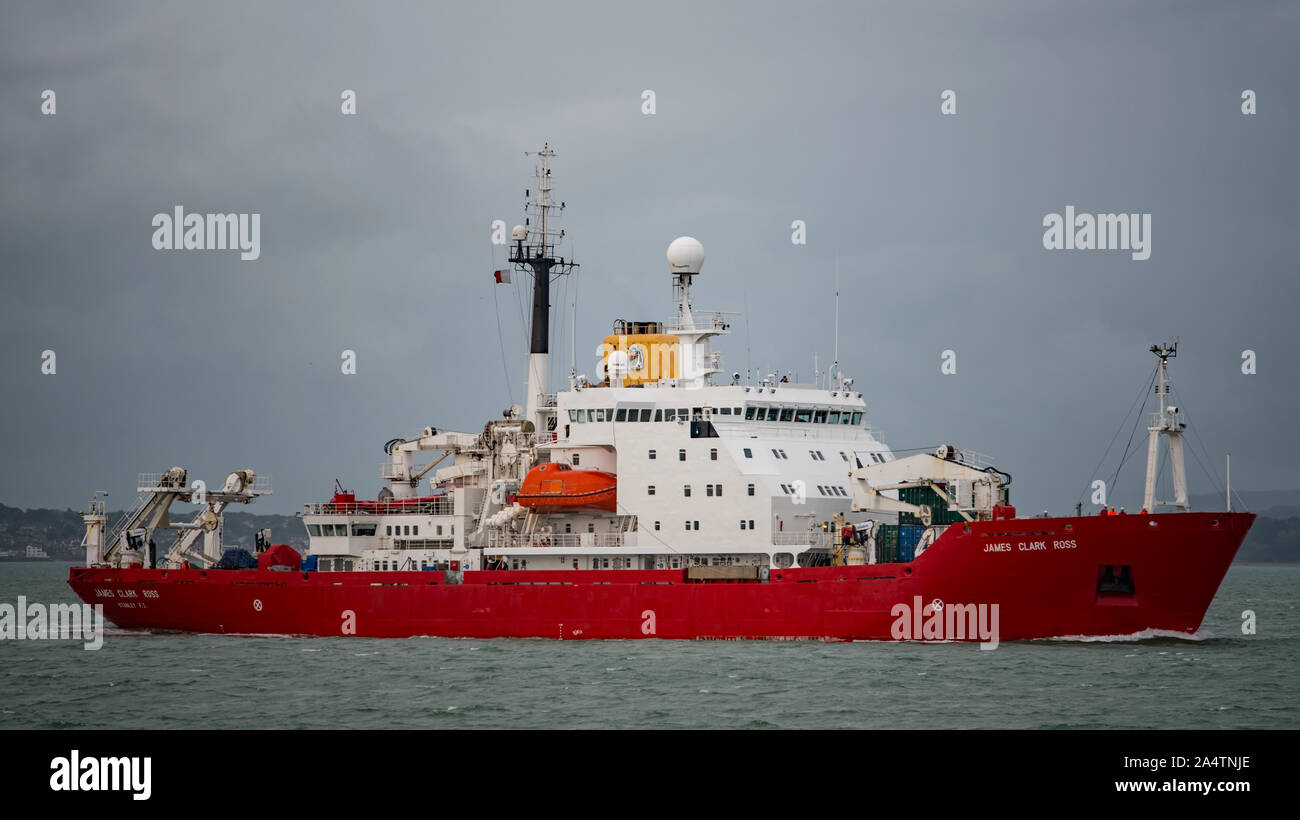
686 490
697 413
621 415
857 418
652 455
650 490
683 414
697 525
573 415
656 526
749 453
787 413
575 459
708 490
681 455
408 531
688 526
845 417
833 417
803 414
742 523
415 530
749 414
751 523
751 489
389 529
670 415
725 411
659 415
314 529
713 454
737 409
760 413
609 414
582 415
717 491
819 417
440 529
645 414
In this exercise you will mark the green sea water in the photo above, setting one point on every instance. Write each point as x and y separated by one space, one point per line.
1219 678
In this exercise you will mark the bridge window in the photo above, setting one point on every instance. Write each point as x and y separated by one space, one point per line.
737 409
857 418
787 413
845 418
833 417
621 415
749 414
573 415
723 411
670 414
645 414
819 417
749 453
760 414
803 414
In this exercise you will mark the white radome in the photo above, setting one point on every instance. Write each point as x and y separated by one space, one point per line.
518 233
685 255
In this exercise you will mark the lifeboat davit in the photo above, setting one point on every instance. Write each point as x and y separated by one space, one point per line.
559 485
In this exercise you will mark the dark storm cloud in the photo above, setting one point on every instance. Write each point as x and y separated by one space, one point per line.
375 227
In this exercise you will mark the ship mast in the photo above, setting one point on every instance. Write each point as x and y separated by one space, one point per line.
1167 422
534 252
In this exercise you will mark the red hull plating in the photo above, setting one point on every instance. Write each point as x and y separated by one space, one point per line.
1041 572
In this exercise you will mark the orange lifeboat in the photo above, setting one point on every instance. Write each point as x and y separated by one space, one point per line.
559 485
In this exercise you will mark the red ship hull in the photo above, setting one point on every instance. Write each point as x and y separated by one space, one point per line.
1049 577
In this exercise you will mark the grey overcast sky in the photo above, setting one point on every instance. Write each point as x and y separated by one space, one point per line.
375 227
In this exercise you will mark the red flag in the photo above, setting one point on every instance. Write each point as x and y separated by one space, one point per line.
503 277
